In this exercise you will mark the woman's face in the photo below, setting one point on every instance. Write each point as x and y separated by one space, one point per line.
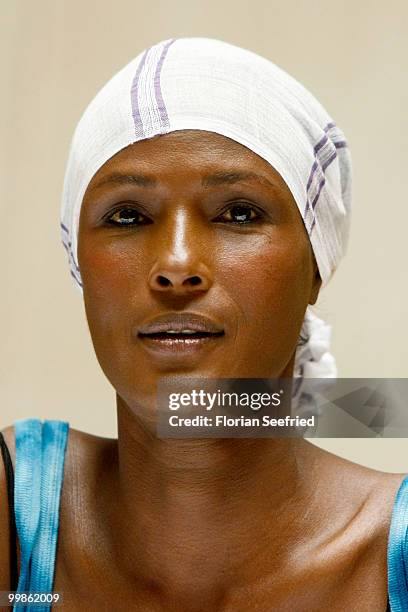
192 222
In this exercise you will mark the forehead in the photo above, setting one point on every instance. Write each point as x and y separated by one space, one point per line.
190 152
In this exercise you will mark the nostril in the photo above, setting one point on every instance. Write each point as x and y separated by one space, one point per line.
163 281
178 282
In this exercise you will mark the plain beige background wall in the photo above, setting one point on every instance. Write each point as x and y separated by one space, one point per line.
56 54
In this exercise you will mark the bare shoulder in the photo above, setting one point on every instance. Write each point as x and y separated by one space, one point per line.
365 496
88 459
354 514
85 452
380 503
374 523
8 434
85 456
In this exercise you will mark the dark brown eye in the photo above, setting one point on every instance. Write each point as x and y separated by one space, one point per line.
240 214
126 217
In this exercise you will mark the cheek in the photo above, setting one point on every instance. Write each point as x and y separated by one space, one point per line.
269 281
110 269
113 280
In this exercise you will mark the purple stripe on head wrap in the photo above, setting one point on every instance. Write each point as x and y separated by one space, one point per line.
321 185
316 164
313 170
320 144
323 180
313 204
77 279
74 262
329 161
322 165
317 148
68 248
141 131
134 101
157 88
312 226
340 144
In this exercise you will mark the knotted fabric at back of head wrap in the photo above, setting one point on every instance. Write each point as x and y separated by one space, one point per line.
201 83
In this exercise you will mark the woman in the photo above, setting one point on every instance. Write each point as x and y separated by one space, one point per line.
206 191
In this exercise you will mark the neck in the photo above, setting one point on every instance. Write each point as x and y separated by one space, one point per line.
202 515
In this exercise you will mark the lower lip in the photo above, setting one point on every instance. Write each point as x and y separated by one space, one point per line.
180 346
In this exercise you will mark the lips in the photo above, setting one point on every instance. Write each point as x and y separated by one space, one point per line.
179 339
181 325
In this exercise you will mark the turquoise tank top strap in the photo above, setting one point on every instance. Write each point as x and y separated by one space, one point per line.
398 551
28 435
40 455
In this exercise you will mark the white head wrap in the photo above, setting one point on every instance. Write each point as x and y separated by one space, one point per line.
206 84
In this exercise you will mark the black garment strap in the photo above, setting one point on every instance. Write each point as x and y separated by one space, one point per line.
8 466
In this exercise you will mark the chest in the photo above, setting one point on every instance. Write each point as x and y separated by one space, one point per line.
361 588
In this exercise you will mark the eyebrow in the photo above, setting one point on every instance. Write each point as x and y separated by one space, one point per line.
219 178
209 180
124 179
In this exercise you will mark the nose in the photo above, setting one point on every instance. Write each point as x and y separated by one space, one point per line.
180 268
179 280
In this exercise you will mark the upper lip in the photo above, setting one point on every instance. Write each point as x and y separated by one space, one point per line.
177 321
